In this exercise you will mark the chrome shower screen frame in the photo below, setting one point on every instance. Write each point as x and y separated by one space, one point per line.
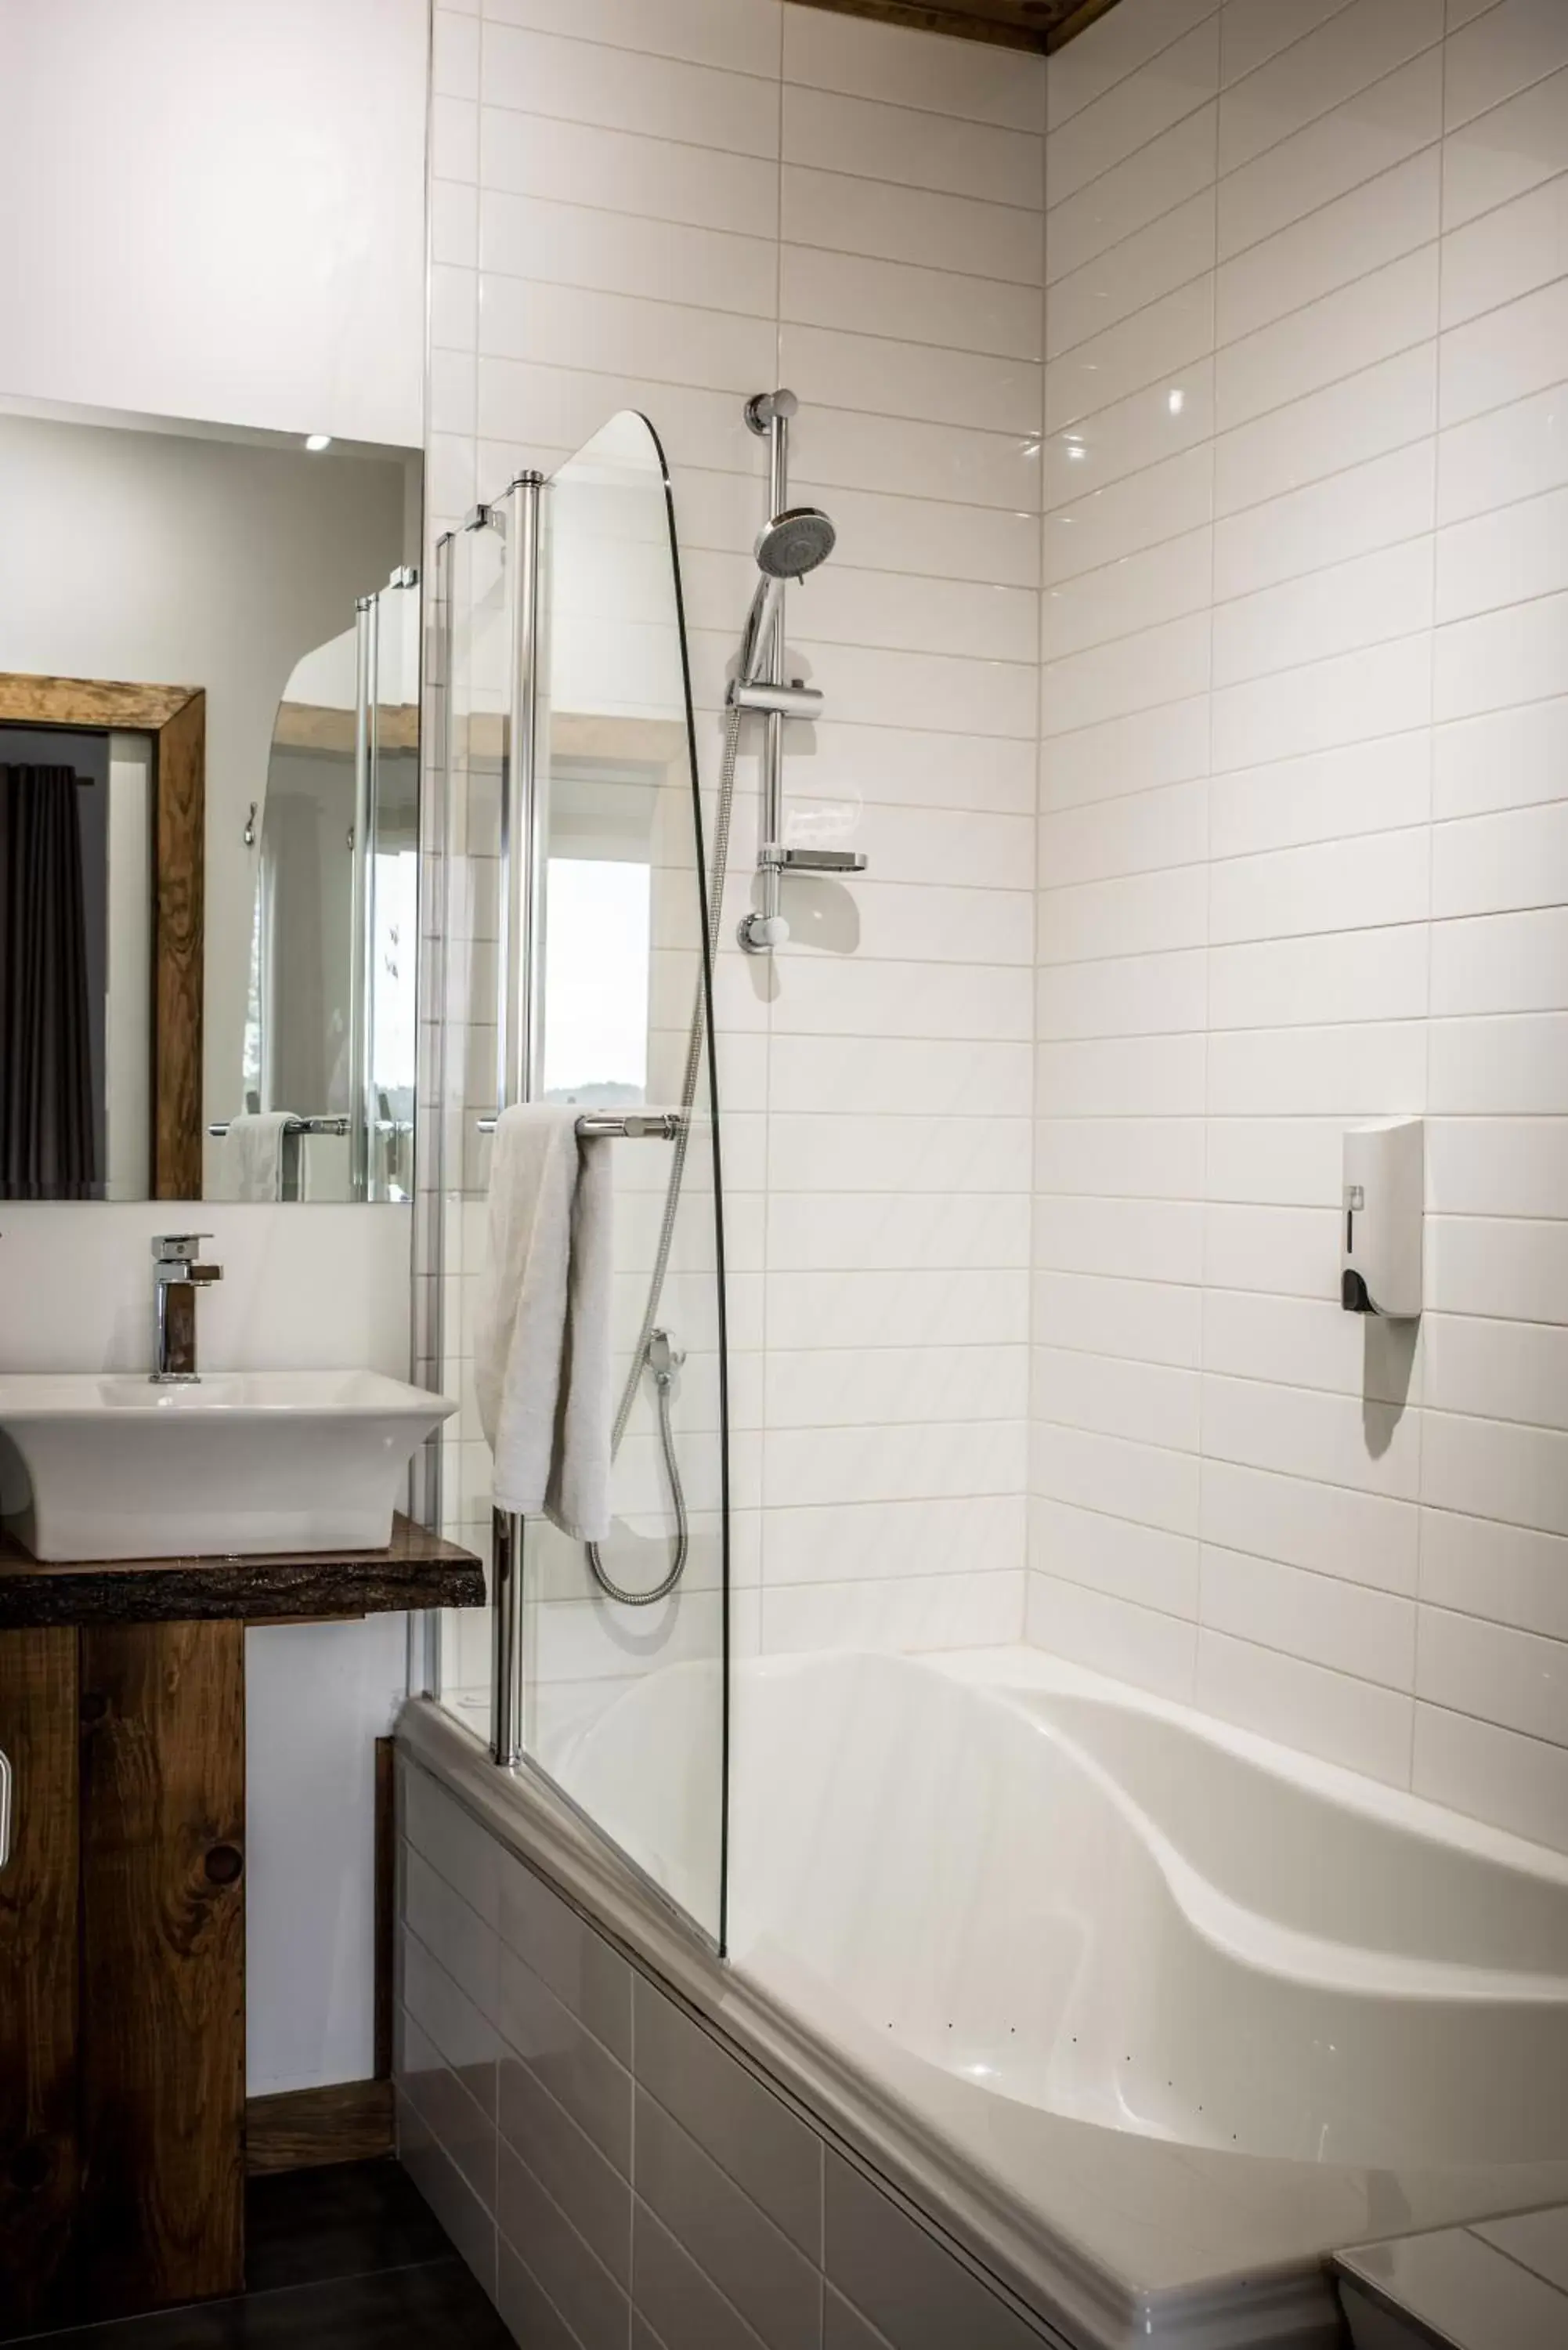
524 818
522 718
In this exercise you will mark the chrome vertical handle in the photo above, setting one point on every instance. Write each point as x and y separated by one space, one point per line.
506 1694
7 1780
431 1329
520 1016
524 812
361 944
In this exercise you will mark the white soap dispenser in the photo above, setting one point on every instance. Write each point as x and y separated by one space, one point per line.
1385 1204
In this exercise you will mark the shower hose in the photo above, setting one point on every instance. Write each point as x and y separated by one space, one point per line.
653 1351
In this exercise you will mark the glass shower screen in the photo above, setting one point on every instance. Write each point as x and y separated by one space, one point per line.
624 1647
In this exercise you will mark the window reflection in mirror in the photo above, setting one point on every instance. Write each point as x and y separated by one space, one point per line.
183 942
620 958
598 924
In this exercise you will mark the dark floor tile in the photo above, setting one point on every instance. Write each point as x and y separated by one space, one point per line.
303 2226
435 2306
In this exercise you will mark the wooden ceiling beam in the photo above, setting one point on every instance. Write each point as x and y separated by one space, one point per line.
1035 25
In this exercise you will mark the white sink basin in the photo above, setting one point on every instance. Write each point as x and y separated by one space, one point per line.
114 1467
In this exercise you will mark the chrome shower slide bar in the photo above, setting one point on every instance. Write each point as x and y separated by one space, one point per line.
612 1126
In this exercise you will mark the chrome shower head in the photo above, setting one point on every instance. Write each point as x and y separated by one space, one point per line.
794 543
791 544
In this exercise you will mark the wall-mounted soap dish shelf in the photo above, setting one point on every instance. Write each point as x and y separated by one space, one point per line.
811 860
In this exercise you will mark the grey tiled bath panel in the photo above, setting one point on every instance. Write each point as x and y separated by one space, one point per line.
615 2175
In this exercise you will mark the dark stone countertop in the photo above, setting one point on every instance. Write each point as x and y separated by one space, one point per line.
418 1569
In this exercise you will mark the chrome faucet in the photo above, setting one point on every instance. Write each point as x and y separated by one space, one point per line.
176 1278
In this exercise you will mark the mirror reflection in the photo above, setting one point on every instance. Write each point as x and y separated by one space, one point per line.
327 1076
209 801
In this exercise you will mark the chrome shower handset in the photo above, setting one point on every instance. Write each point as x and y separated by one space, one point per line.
757 634
788 547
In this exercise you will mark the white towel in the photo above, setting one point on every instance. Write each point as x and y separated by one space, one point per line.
541 1344
255 1154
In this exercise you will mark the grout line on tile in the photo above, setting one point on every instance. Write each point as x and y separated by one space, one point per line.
1132 72
620 49
1338 105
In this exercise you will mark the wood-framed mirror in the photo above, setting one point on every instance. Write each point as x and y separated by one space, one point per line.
209 813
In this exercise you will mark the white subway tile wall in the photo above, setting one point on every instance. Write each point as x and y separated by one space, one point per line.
671 205
1194 410
1303 858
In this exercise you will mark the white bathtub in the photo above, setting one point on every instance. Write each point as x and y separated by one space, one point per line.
1157 2011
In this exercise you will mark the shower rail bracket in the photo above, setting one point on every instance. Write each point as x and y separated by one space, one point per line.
795 701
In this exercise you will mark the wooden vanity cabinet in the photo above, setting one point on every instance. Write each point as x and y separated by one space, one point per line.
40 1906
123 2050
122 1911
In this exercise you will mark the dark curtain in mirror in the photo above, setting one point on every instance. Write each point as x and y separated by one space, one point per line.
47 1121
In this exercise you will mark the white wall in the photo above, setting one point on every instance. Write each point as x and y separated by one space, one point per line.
217 212
174 560
318 1696
670 207
302 1287
1304 857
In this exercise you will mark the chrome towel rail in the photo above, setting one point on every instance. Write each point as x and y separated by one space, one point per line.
295 1126
611 1126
